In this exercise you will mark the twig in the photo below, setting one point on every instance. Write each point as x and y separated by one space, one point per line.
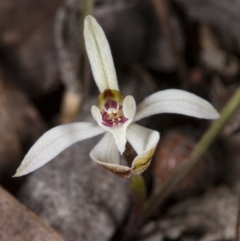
68 58
66 52
163 14
168 187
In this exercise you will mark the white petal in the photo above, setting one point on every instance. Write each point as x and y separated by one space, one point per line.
141 138
55 141
99 55
144 141
175 101
106 154
106 150
129 107
96 115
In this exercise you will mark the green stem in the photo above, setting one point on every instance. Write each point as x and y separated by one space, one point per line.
138 189
139 193
168 187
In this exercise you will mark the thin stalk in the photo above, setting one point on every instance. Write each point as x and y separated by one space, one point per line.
138 193
138 197
203 145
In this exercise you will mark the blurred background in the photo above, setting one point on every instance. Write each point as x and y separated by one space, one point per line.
45 80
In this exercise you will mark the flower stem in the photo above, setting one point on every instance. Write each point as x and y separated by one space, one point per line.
138 189
138 193
168 187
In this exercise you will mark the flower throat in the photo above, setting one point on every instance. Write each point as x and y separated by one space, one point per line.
110 103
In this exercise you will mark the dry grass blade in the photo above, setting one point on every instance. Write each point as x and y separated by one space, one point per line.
167 188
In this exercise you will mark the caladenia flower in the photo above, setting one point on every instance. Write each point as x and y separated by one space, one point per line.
115 115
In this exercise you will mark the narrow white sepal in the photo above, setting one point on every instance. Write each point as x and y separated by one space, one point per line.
129 107
106 150
141 138
175 101
99 55
55 141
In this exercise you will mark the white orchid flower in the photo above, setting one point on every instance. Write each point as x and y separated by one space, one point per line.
115 115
